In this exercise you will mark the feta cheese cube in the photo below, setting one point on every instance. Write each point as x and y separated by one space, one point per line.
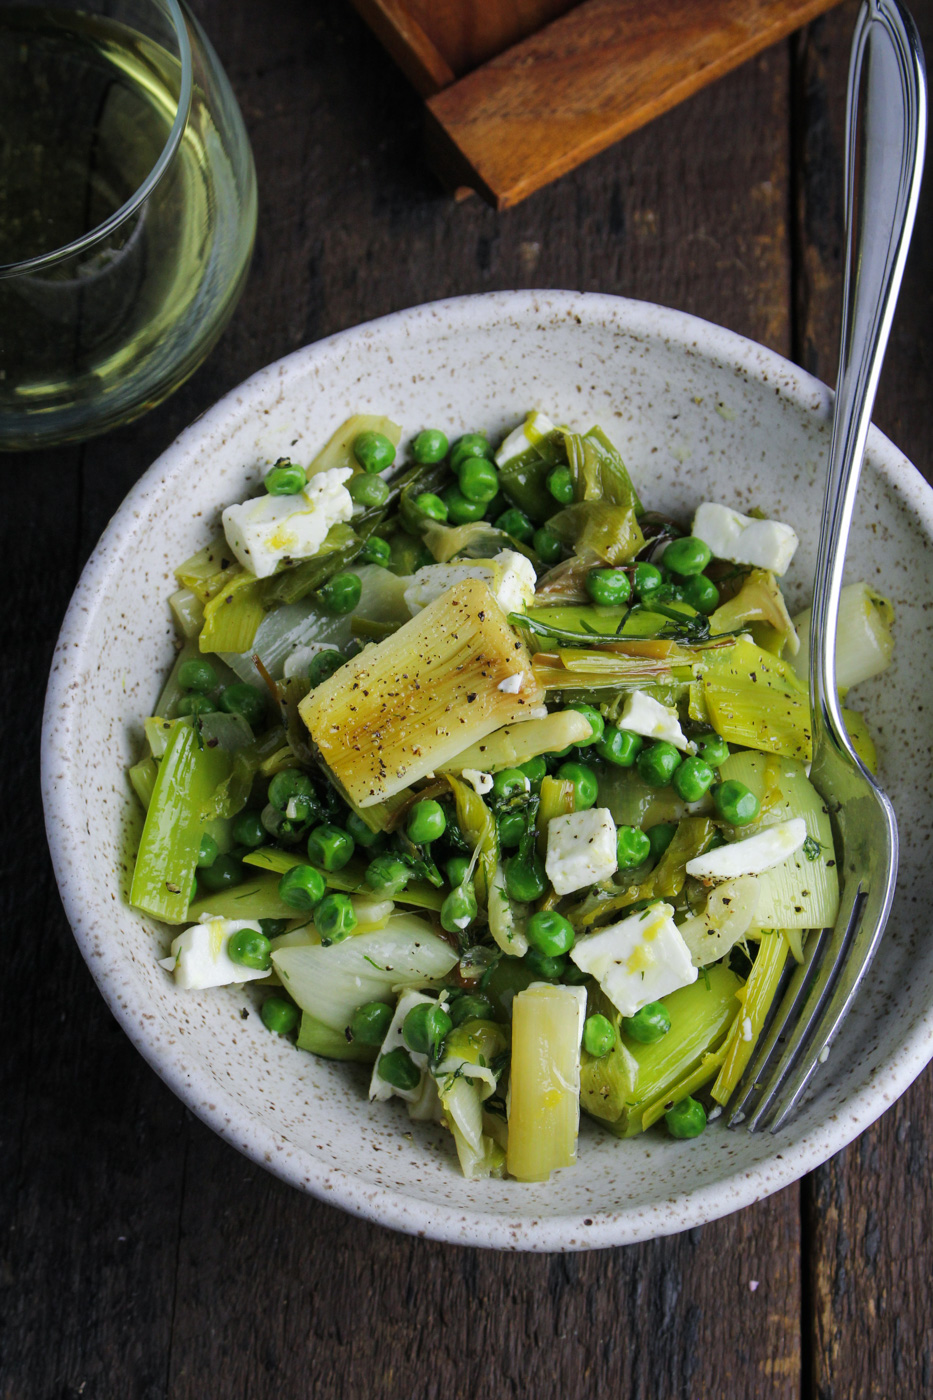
199 955
480 782
380 1088
264 532
753 855
581 849
642 714
639 960
535 427
510 576
768 544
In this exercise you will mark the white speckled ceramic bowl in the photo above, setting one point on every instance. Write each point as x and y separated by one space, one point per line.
697 412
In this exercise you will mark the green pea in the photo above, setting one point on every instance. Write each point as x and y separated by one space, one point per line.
461 510
302 887
273 928
511 827
334 918
399 1069
585 785
701 593
693 779
620 746
712 748
599 1036
224 872
330 846
370 1022
516 523
196 705
547 545
550 933
425 1027
687 556
525 880
250 948
459 909
197 675
279 1016
290 785
455 869
208 851
608 587
647 580
361 833
735 803
429 506
470 1008
632 847
470 445
247 830
548 969
660 837
429 446
479 480
597 724
426 822
509 782
648 1025
244 700
388 875
376 550
323 665
656 763
368 491
341 594
373 451
560 485
686 1119
534 770
285 478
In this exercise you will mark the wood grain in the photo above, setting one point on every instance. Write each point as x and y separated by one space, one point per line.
140 1257
590 78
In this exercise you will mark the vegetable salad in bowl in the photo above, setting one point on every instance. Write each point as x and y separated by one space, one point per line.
494 781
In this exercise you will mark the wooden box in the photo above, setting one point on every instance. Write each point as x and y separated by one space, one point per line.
517 92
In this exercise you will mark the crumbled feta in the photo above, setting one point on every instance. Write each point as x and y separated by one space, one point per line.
480 782
535 427
747 1031
639 960
269 529
510 576
512 684
768 544
642 714
752 856
581 849
199 955
380 1088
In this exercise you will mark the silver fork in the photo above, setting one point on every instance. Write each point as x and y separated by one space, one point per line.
885 139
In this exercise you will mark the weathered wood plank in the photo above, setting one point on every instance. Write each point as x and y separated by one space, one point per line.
868 1213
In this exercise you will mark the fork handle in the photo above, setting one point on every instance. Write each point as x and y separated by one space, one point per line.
887 90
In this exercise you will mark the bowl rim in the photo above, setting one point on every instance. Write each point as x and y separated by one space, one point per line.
63 803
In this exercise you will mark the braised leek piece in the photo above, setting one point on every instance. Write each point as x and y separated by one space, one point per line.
517 743
598 472
622 665
623 1086
404 708
864 645
755 699
759 603
803 891
544 1094
232 616
756 998
610 532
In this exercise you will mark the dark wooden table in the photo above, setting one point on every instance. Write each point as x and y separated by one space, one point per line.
142 1258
